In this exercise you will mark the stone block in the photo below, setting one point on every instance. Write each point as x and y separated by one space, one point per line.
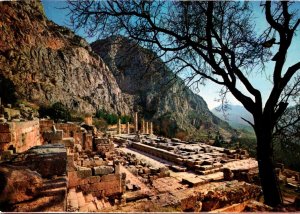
153 170
103 170
94 179
4 128
217 165
68 142
76 156
190 163
84 172
5 137
228 174
48 160
111 177
164 174
6 155
70 162
146 170
86 163
98 162
178 168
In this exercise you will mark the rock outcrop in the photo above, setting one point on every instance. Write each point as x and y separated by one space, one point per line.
17 183
44 63
141 74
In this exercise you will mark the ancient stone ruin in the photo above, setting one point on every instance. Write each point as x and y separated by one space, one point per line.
73 167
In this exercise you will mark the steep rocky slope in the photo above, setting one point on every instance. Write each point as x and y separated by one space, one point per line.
139 73
43 63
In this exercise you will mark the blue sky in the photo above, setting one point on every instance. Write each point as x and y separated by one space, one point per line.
210 91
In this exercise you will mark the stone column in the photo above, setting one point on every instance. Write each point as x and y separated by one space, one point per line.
147 128
143 126
128 128
119 127
151 128
117 166
136 122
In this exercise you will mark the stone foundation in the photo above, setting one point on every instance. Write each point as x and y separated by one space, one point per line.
161 153
19 136
48 160
98 186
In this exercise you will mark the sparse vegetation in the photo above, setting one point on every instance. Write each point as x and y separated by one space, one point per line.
112 118
100 124
56 111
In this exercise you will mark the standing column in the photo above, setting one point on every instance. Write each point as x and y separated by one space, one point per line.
128 128
136 122
117 166
151 128
147 128
119 126
143 126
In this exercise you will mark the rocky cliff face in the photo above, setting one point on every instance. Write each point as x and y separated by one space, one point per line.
43 63
139 73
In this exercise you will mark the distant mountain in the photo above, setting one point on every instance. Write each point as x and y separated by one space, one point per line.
142 74
234 116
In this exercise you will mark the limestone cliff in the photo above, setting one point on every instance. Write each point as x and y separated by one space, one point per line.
139 73
43 63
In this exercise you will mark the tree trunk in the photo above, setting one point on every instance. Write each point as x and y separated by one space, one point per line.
268 178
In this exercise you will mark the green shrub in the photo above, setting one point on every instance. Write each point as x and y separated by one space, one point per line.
125 119
100 124
109 118
57 111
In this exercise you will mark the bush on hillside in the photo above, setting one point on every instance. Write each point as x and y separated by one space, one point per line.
56 111
109 118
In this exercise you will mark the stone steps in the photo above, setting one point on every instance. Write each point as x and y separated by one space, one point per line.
51 198
72 201
77 201
55 185
53 192
206 172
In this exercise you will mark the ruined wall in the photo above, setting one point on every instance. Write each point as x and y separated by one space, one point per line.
88 120
20 136
11 113
88 141
158 152
106 185
46 125
71 130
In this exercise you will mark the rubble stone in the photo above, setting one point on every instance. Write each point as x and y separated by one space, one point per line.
103 170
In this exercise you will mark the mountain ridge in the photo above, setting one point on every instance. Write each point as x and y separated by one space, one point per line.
45 63
141 73
233 115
